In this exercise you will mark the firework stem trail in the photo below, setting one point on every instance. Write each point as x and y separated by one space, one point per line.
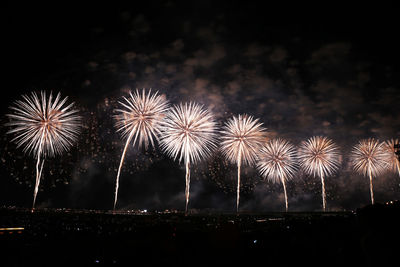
38 173
323 192
371 187
187 187
238 182
284 191
120 164
36 182
238 187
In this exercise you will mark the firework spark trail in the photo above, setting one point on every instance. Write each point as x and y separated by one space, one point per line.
321 174
140 116
371 189
319 156
242 137
188 132
283 179
187 187
239 163
278 163
38 173
120 164
392 160
44 127
369 159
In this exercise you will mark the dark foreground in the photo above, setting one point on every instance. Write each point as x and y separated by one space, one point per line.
367 237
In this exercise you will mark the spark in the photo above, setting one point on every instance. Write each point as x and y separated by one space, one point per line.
188 133
319 156
139 118
242 137
369 159
43 126
278 162
392 160
219 167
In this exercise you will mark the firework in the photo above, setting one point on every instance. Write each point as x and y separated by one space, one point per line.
218 172
277 162
369 159
44 127
139 118
319 156
242 138
188 133
392 160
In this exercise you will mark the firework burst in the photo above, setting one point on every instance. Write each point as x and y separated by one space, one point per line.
369 159
319 156
188 133
44 127
277 162
242 137
139 118
392 160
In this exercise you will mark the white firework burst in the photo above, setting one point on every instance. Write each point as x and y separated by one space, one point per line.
319 156
391 157
43 126
188 134
369 158
242 137
277 161
139 118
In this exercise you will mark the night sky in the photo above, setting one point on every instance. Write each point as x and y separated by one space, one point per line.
304 71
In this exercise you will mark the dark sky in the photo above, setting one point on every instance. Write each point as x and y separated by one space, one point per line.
303 70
